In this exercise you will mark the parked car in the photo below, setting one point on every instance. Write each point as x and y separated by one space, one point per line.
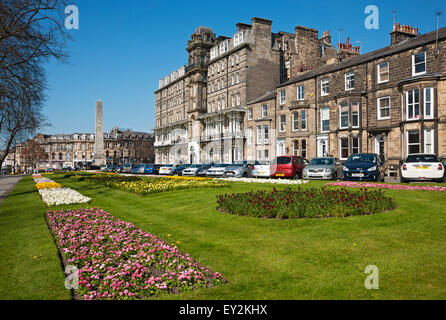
178 169
201 172
323 169
147 169
110 168
118 168
166 169
364 167
217 170
287 167
126 168
421 167
192 170
239 169
156 168
261 169
136 167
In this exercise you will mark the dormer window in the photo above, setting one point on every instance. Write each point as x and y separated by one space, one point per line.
239 38
224 46
214 52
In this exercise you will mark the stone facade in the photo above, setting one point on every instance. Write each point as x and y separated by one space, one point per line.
78 149
320 100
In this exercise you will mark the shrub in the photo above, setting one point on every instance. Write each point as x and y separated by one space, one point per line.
305 203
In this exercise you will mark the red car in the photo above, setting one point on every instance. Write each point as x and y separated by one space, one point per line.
288 167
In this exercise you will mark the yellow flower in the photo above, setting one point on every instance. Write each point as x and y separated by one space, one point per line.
178 242
168 235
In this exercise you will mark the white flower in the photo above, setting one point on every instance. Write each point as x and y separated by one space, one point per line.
59 196
256 180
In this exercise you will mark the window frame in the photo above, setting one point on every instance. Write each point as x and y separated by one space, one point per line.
432 131
282 97
265 134
280 123
300 93
295 121
431 102
340 148
250 113
322 119
378 103
326 82
303 120
409 144
412 105
379 72
349 81
414 73
264 111
341 117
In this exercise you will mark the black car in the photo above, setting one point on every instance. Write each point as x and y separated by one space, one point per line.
201 172
178 169
363 167
156 168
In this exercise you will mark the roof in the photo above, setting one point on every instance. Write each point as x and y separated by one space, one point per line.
370 56
269 95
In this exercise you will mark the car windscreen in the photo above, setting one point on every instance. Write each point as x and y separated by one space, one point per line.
282 160
220 165
362 158
322 162
422 158
264 163
196 166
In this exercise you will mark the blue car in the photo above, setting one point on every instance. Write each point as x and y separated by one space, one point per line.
147 169
363 167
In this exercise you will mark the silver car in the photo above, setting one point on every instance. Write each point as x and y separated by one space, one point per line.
217 170
240 169
323 169
261 170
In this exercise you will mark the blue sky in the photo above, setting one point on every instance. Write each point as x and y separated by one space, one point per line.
122 48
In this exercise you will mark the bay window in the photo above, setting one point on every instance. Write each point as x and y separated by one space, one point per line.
429 141
413 104
295 121
428 103
413 142
303 120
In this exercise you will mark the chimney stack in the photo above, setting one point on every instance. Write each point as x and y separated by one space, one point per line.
402 32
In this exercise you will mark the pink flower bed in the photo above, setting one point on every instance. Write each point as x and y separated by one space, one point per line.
116 260
385 186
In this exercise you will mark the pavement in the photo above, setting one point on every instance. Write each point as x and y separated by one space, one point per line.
7 183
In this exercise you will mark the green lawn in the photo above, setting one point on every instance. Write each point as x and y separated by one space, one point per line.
261 258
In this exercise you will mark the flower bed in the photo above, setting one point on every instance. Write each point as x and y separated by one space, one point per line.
305 203
48 185
60 196
144 186
386 186
53 194
116 260
272 181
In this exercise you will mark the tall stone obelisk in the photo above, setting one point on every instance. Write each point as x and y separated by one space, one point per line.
99 158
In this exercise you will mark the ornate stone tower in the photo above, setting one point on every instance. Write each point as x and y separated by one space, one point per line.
99 158
198 47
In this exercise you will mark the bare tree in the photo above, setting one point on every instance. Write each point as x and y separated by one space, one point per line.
32 153
31 33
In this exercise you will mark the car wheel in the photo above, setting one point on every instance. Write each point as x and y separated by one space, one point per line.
296 176
245 175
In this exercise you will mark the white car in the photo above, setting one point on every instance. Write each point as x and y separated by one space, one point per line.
166 169
421 167
261 170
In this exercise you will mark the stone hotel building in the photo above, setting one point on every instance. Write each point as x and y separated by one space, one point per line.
258 94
